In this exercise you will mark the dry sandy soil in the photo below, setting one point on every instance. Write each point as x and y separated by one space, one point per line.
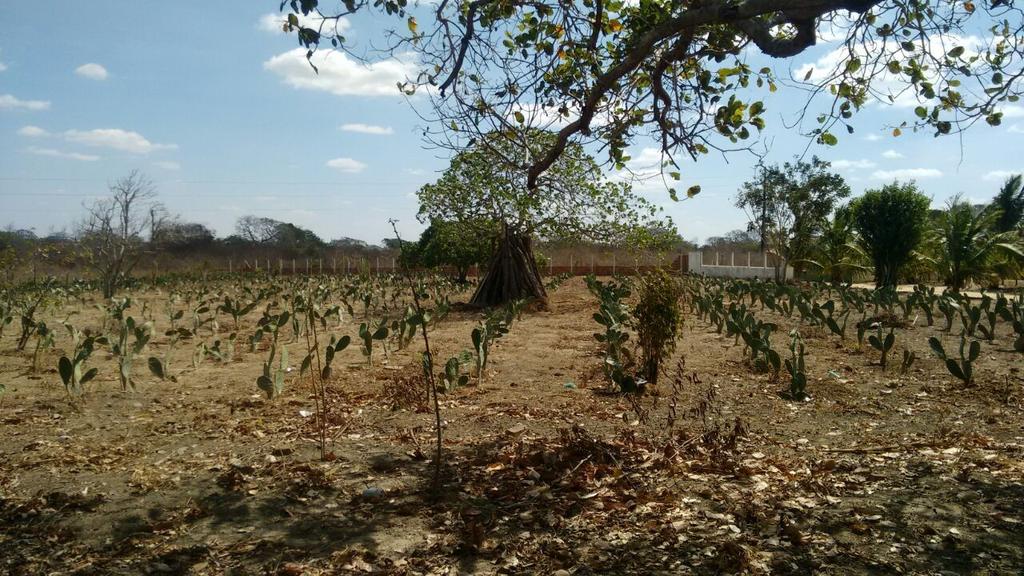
546 472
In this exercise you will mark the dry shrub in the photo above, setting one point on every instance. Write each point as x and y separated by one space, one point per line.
407 392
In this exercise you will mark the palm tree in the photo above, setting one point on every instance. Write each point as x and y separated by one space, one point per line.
968 242
838 255
1010 203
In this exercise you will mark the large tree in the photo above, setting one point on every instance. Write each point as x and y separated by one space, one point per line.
487 185
689 71
892 222
787 206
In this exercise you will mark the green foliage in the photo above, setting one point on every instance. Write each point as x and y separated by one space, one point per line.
369 333
1009 205
882 343
614 315
796 368
236 309
44 341
891 222
453 377
836 252
962 368
1013 312
72 369
556 282
826 315
129 340
494 326
908 360
657 316
333 348
459 244
271 381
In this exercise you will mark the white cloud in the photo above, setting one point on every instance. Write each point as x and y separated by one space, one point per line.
643 172
9 102
3 66
1015 129
892 155
367 129
61 154
907 174
863 164
1012 111
275 23
346 165
341 75
167 165
92 71
999 175
544 117
32 132
873 137
117 139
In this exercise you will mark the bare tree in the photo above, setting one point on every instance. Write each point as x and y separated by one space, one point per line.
111 233
258 230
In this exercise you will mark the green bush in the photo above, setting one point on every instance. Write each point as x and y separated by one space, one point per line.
658 314
891 222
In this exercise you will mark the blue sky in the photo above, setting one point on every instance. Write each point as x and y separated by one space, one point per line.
223 114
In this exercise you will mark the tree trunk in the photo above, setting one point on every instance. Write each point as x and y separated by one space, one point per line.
512 274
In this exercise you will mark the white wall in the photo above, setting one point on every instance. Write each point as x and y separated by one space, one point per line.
732 265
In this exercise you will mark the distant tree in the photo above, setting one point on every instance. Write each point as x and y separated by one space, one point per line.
734 241
969 243
257 230
455 244
395 244
786 206
348 243
891 222
177 236
297 241
111 233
